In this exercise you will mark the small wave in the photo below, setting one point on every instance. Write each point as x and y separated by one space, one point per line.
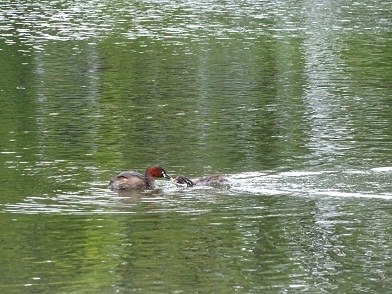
354 195
382 169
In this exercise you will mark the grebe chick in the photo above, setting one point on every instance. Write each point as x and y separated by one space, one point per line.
130 180
212 180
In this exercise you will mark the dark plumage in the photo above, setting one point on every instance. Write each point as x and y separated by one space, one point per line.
212 180
130 180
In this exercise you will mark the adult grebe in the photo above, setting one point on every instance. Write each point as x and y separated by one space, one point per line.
130 180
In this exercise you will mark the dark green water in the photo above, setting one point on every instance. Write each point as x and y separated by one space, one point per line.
291 100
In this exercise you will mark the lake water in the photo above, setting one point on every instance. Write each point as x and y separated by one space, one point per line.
291 100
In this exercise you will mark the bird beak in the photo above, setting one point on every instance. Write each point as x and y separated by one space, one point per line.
166 175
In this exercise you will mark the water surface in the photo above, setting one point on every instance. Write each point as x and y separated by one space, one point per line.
290 100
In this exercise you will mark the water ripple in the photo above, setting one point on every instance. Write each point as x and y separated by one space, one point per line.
75 20
97 199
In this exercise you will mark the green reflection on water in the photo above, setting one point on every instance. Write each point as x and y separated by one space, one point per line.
247 243
232 88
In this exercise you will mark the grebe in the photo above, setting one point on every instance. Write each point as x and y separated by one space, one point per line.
212 180
130 180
